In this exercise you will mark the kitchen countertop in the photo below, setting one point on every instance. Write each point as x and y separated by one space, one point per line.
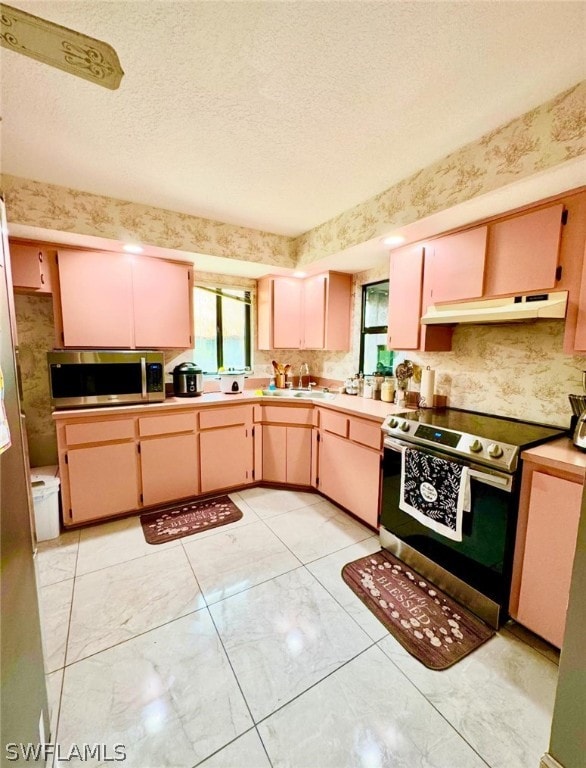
558 454
376 410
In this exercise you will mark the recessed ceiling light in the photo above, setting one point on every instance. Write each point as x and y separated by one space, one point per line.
129 248
394 240
299 274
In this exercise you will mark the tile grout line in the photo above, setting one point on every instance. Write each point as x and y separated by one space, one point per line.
207 607
229 660
430 702
301 565
227 744
170 621
60 698
318 682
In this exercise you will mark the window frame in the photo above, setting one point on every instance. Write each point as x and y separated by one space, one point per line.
220 293
372 329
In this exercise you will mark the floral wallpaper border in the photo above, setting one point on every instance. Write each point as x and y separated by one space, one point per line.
69 210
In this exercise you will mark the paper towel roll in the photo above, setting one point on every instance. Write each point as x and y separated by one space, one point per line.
427 387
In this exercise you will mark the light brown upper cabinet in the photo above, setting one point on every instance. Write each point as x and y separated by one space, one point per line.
162 298
405 287
279 313
313 313
31 272
523 252
110 300
405 305
454 267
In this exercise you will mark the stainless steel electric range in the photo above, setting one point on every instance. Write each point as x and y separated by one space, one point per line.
476 570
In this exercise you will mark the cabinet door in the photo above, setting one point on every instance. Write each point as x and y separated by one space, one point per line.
580 337
162 303
454 267
27 263
314 312
298 456
96 299
552 528
350 474
405 287
523 253
169 468
103 481
274 453
286 312
338 311
226 458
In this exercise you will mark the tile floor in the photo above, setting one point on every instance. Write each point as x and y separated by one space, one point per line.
242 647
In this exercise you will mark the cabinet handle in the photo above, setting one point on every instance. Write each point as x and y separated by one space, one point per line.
42 279
143 377
40 256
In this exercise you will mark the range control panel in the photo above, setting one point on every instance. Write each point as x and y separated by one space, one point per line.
440 436
479 450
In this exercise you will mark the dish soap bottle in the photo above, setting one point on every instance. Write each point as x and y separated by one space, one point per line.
272 384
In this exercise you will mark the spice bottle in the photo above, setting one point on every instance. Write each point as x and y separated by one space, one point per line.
368 387
376 388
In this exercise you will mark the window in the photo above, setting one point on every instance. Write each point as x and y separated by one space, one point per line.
374 355
222 328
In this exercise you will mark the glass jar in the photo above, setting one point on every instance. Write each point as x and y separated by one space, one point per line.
387 392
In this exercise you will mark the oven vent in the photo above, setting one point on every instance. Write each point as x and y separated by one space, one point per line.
509 310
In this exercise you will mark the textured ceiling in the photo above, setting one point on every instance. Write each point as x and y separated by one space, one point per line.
279 115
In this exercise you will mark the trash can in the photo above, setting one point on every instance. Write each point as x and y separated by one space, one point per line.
45 489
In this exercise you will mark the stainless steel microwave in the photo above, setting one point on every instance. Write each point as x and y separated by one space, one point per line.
84 379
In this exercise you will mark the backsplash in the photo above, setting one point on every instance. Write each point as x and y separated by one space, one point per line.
34 321
515 369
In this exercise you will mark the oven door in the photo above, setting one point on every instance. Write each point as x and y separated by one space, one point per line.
482 561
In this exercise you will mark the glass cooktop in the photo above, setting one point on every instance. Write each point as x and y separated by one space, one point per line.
494 428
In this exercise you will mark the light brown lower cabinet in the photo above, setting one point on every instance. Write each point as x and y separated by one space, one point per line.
349 474
119 463
349 463
103 481
225 447
286 454
225 458
549 512
168 467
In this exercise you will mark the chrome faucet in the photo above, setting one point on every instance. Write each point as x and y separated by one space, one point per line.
304 373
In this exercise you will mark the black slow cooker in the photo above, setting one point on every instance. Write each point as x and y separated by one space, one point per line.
187 380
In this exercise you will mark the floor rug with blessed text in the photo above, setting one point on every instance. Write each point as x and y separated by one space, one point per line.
185 519
428 623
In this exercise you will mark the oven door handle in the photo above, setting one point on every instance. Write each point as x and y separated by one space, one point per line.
496 479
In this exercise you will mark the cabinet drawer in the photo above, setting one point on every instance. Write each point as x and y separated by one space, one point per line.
366 432
279 414
334 422
99 431
168 424
225 417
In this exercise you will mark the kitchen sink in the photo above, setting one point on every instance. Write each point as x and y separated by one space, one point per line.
304 394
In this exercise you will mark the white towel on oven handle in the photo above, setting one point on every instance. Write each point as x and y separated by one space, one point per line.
463 503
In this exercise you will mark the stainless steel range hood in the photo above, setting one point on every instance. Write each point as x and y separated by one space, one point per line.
510 310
